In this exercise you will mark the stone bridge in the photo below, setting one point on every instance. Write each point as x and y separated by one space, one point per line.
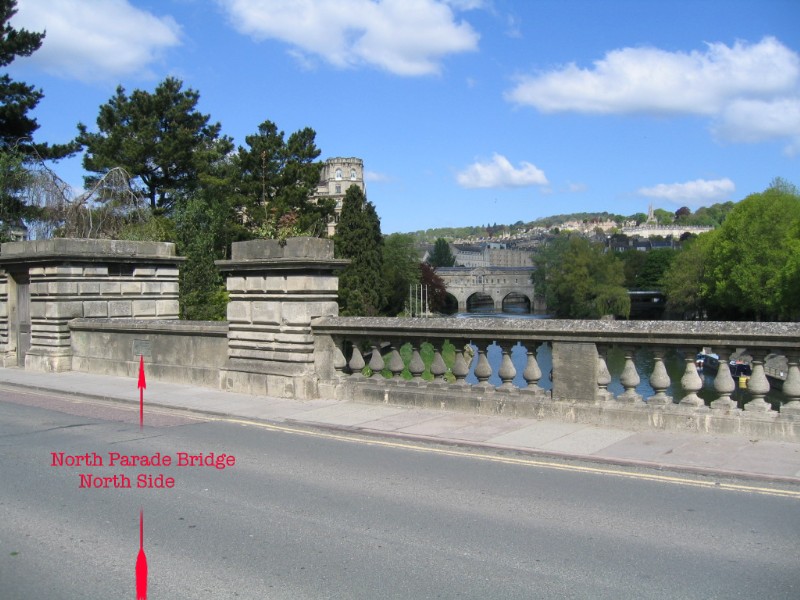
488 287
102 306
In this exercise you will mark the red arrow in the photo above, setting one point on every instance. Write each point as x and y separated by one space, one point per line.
141 563
142 385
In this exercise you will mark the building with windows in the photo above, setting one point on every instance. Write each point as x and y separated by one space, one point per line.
336 176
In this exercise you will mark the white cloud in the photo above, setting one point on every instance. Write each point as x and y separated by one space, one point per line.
375 176
697 193
94 40
745 88
404 37
500 173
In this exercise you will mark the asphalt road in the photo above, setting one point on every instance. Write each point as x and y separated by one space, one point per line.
315 514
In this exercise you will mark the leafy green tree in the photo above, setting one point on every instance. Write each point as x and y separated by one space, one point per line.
684 282
441 255
664 217
752 270
579 281
656 263
276 177
160 138
400 270
358 238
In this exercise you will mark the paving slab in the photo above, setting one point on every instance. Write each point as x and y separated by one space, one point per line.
442 426
668 449
586 441
348 414
537 433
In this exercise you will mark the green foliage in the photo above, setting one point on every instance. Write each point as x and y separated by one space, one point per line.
748 268
684 280
752 269
579 281
17 98
160 139
663 217
441 255
275 177
14 178
644 270
400 270
202 292
358 238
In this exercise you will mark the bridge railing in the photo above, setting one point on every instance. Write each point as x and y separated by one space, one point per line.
381 359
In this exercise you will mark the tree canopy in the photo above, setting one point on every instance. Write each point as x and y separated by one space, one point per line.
17 99
747 269
579 281
276 177
160 138
401 270
441 256
358 238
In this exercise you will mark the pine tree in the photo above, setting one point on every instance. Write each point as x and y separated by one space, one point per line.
16 98
160 139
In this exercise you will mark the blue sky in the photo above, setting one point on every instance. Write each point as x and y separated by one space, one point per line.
465 112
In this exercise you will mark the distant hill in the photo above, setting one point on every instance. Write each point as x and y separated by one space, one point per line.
709 216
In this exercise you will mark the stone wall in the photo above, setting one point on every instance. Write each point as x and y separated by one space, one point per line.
188 352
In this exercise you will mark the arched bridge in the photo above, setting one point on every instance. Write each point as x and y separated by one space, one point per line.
488 288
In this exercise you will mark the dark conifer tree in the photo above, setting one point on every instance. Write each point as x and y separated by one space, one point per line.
358 238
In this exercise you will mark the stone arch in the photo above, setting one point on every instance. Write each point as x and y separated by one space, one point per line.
517 302
480 302
452 304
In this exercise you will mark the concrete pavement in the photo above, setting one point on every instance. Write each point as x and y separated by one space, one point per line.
719 454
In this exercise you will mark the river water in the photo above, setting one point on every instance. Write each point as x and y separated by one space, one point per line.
673 361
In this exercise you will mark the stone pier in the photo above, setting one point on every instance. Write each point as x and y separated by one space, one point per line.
275 292
48 283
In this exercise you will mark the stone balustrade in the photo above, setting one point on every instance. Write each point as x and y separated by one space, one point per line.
359 358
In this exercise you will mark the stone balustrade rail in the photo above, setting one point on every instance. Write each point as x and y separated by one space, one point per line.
346 345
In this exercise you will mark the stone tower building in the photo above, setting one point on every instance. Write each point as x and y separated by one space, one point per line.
336 176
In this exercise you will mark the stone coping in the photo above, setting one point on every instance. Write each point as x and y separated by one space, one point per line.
89 246
169 326
304 265
668 333
68 250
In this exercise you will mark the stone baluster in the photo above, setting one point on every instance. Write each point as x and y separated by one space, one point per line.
507 371
395 364
691 381
532 373
483 370
339 360
629 378
791 387
758 385
461 363
356 363
659 381
603 375
416 367
724 384
376 362
438 367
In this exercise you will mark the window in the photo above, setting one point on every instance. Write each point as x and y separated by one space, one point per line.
338 188
353 174
338 174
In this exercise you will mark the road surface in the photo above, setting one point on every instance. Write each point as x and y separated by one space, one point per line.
311 514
